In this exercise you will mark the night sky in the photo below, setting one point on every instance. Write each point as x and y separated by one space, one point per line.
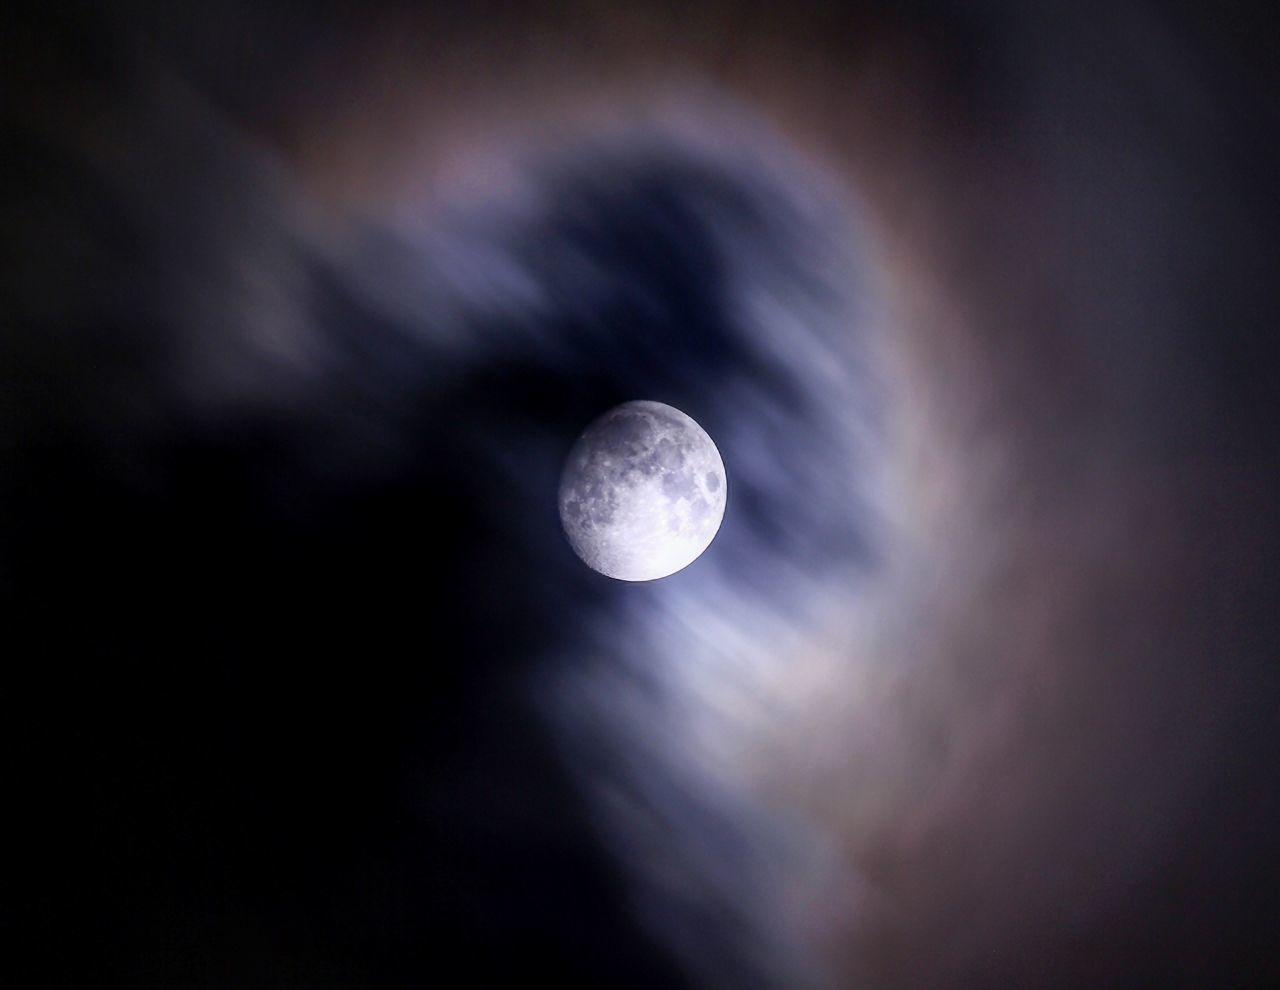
300 316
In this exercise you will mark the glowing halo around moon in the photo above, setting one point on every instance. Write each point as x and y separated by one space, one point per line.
643 492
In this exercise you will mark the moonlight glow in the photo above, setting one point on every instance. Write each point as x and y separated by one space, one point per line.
643 492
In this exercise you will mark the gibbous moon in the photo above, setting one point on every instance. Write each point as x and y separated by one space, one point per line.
643 492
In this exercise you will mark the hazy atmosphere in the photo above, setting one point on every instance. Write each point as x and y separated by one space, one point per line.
940 651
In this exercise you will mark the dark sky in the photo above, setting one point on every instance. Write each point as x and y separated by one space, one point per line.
301 315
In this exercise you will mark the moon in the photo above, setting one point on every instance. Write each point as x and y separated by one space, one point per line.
643 492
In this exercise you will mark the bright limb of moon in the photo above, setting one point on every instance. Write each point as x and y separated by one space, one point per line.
643 492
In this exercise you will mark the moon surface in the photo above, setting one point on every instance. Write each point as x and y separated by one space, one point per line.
643 492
